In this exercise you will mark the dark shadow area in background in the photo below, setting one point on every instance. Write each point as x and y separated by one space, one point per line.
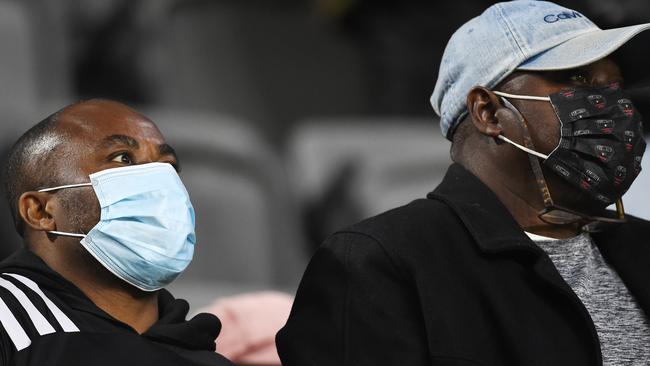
10 238
279 62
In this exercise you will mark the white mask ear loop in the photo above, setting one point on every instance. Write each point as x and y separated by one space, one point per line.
65 186
524 97
524 148
63 233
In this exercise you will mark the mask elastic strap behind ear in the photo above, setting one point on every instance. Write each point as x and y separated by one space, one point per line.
512 108
65 186
530 148
63 233
524 97
524 148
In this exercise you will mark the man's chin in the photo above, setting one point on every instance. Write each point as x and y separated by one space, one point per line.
580 202
594 210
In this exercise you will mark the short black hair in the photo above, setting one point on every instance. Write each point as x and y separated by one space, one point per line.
28 164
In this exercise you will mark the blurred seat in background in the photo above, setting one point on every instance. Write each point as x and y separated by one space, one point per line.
248 234
52 43
9 122
18 95
399 43
272 62
17 61
349 169
95 48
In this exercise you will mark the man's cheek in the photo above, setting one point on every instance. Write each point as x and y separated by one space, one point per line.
94 211
88 211
551 134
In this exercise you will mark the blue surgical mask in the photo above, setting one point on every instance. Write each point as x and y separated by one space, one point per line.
145 234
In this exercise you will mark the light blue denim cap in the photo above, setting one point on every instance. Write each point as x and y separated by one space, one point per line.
524 35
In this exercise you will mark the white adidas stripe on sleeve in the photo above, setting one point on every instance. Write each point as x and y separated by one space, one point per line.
12 327
42 325
64 321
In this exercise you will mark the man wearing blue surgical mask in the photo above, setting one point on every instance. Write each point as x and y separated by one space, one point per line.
106 223
513 259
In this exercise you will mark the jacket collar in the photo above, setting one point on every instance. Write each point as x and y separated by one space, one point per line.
198 333
487 219
26 263
492 226
625 246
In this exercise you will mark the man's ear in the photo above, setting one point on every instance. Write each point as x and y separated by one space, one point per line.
35 209
482 105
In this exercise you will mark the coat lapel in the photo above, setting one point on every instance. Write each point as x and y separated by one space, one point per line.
494 229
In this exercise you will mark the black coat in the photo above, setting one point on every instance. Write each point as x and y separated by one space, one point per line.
450 280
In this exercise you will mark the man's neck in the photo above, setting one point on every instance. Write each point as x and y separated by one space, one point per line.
134 307
520 195
140 311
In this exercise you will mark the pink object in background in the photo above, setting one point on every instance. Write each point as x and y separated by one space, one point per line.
249 324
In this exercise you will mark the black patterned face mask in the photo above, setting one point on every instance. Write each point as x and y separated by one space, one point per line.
601 141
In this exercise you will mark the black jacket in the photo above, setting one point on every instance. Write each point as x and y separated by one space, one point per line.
450 280
46 320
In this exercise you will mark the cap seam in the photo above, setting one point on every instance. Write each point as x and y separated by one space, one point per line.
511 32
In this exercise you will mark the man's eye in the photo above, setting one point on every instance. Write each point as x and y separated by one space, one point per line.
123 158
579 78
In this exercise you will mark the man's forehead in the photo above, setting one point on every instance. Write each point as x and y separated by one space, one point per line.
606 67
97 120
522 81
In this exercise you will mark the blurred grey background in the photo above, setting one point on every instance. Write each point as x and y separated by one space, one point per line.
292 118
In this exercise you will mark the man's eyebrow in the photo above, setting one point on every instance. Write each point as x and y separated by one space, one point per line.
120 139
166 149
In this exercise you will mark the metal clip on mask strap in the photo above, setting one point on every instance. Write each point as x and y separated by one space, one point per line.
529 147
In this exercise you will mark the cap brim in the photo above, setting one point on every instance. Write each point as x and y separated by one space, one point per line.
582 50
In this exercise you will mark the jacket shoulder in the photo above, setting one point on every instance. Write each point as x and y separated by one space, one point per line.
27 313
637 223
632 229
419 220
424 230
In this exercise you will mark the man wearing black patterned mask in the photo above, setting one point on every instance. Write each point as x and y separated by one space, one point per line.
574 144
582 128
513 259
